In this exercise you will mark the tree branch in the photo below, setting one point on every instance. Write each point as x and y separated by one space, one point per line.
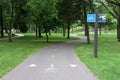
90 4
112 2
108 9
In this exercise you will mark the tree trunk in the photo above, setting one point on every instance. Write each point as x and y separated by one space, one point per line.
11 23
118 30
10 35
63 31
86 26
1 21
68 37
85 30
40 34
36 31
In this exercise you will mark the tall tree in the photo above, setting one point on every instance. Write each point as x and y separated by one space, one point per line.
84 10
2 7
43 13
49 13
86 25
68 10
36 15
12 2
1 21
115 5
21 15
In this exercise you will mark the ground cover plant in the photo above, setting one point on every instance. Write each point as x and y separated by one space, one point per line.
106 66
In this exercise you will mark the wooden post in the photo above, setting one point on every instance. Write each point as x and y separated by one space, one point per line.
96 35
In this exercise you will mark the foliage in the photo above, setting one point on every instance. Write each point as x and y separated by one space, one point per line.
4 15
68 12
115 12
21 15
44 17
115 2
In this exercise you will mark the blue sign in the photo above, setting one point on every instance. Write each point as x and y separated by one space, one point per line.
101 18
92 17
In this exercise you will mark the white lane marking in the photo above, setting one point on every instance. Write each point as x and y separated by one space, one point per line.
73 65
51 68
52 56
52 65
32 65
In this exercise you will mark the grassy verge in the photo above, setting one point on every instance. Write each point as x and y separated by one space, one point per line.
12 54
107 65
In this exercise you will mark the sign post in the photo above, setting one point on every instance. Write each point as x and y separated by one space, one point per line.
96 18
96 35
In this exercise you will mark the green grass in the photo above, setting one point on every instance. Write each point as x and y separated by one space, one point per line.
12 54
107 65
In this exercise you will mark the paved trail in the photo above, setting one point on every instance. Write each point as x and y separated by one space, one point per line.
56 62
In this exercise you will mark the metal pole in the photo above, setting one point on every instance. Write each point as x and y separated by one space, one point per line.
96 35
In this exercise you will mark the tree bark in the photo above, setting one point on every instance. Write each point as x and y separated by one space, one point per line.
40 34
85 30
68 37
36 32
1 21
86 26
11 23
118 30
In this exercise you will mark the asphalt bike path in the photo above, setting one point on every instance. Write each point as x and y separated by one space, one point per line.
55 62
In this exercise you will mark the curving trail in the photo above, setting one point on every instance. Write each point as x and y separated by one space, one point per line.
56 62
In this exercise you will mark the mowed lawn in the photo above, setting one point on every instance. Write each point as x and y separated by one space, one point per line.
107 65
12 54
